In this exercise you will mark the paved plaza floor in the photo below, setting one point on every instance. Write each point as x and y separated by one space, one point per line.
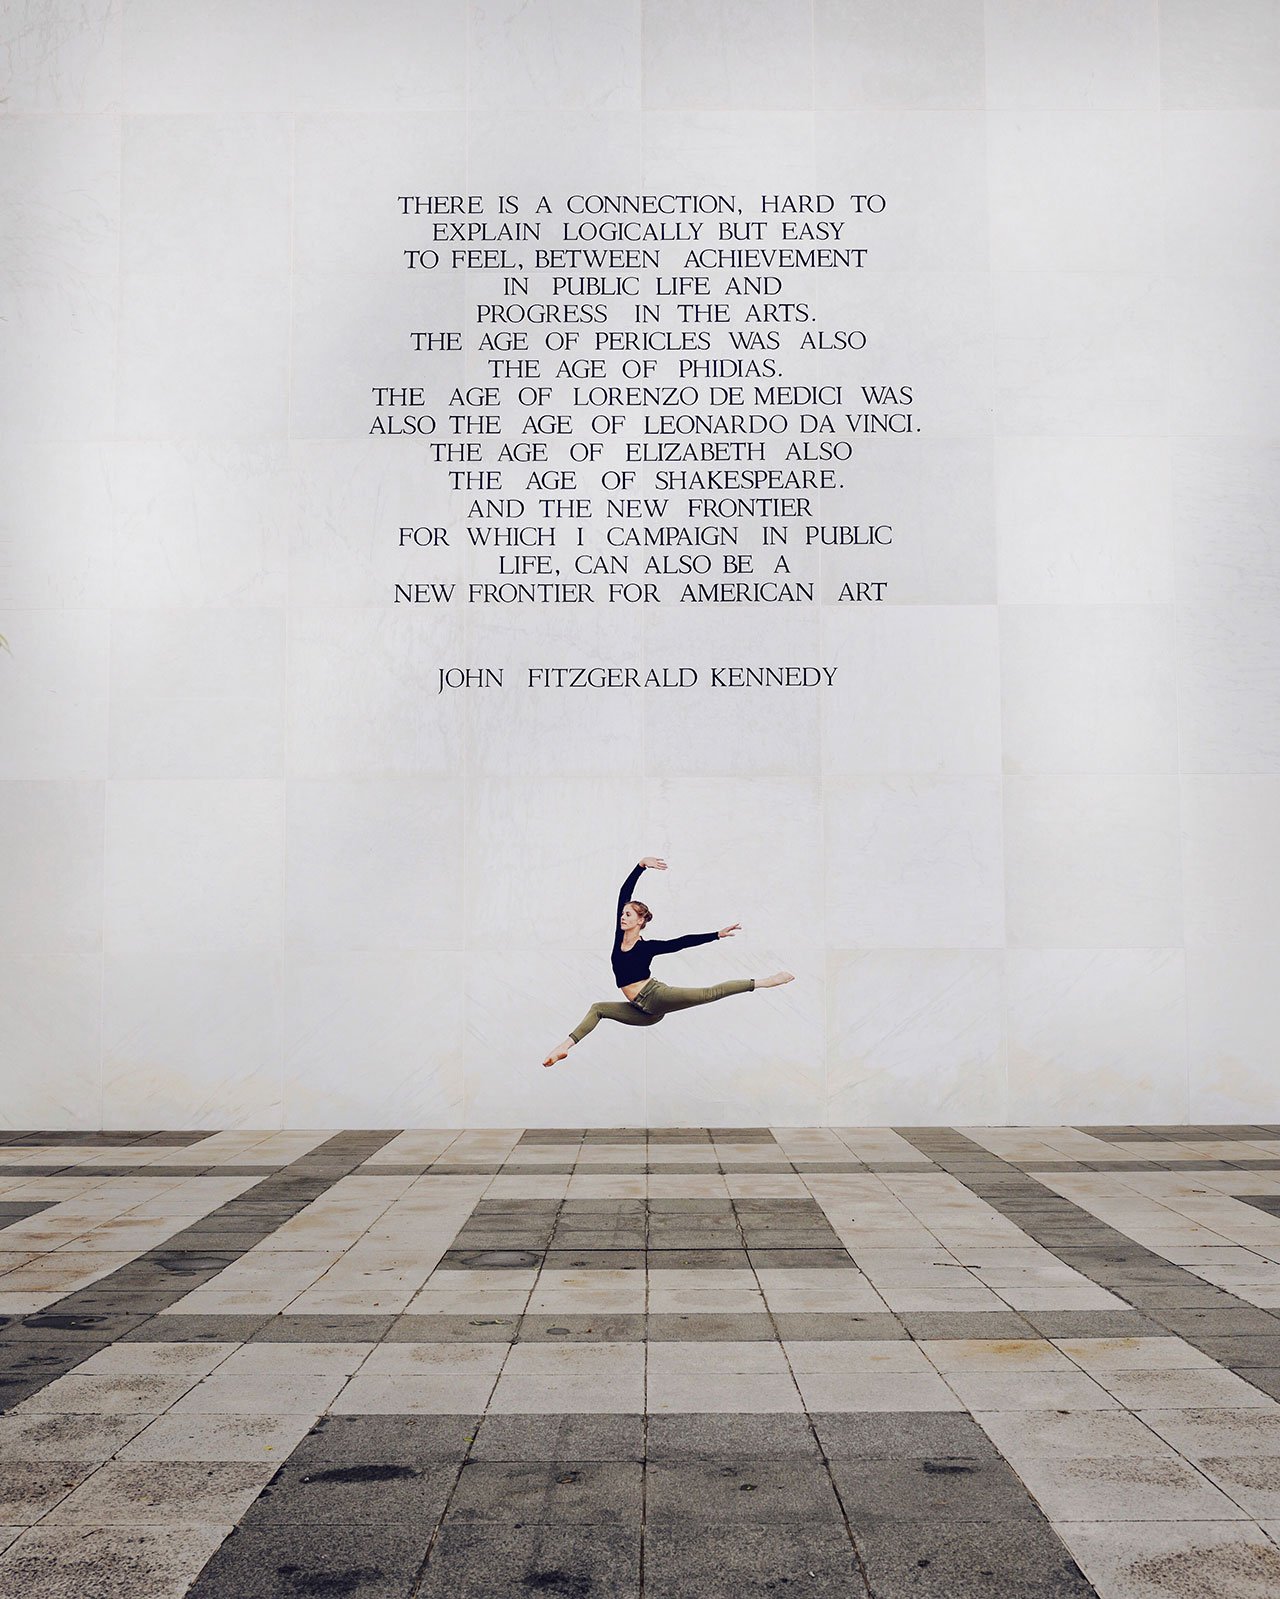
919 1363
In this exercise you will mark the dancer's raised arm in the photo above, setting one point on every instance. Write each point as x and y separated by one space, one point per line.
628 888
624 895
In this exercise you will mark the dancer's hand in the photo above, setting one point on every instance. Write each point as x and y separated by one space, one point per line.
728 932
654 863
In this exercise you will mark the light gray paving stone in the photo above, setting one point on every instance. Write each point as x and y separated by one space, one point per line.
1196 1433
1253 1481
57 1437
1104 1355
107 1395
106 1563
1204 1389
726 1392
1029 1390
172 1493
29 1489
1020 1434
1125 1488
256 1394
265 1359
857 1391
1175 1560
994 1354
138 1359
426 1392
212 1438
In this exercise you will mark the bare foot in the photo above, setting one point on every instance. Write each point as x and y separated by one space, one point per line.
559 1052
776 980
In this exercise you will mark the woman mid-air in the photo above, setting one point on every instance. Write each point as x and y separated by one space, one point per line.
648 1000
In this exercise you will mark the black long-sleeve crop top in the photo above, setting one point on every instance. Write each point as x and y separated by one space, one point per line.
632 965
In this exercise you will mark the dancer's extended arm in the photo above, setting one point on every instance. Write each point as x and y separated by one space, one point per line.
664 946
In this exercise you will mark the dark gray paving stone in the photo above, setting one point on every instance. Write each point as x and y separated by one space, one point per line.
694 1221
956 1490
740 1327
1265 1378
324 1329
794 1210
236 1242
387 1440
814 1561
598 1232
711 1437
1135 1276
36 1358
13 1390
1195 1324
837 1324
701 1239
472 1560
453 1330
509 1259
966 1324
707 1491
817 1258
787 1238
699 1260
131 1302
935 1559
572 1209
55 1326
498 1232
1247 1350
618 1328
595 1260
379 1561
560 1437
899 1167
901 1435
1093 1324
198 1329
587 1493
343 1493
1153 1299
498 1241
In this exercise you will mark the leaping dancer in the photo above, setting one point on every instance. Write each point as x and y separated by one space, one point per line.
646 999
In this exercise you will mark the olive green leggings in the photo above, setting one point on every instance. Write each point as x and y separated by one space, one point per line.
653 1002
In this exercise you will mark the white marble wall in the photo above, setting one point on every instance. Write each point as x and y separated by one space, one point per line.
1024 859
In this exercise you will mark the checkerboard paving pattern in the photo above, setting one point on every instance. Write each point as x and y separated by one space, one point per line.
928 1362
